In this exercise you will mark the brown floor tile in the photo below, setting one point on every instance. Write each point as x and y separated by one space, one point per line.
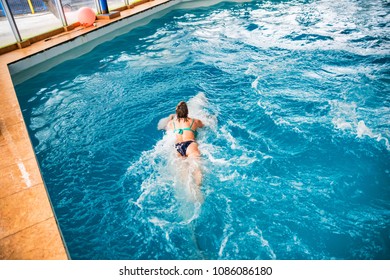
8 158
41 241
24 209
8 96
6 86
18 177
10 114
13 133
14 154
15 145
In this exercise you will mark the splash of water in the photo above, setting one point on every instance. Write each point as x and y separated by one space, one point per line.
160 172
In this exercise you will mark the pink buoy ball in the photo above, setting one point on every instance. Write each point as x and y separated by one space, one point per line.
86 16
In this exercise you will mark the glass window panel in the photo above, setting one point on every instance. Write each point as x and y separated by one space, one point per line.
33 18
113 4
6 35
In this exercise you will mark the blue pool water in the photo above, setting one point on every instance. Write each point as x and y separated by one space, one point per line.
295 152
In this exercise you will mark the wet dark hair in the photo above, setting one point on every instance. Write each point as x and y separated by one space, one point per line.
182 111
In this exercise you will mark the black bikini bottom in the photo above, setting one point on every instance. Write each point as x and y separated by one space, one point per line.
182 147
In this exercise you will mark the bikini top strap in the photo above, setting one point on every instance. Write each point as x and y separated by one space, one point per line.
193 120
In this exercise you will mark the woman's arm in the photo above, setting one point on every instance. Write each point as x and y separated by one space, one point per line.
169 125
165 123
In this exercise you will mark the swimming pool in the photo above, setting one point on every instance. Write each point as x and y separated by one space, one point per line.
295 96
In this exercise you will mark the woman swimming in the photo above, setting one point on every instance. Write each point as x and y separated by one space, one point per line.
185 130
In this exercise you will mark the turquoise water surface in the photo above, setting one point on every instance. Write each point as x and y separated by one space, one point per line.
295 152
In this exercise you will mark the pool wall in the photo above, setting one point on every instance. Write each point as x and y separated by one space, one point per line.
28 226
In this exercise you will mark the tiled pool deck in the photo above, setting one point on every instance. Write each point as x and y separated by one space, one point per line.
28 226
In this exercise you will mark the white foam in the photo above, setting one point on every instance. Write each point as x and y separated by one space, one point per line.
196 108
255 83
223 244
264 243
158 222
216 161
363 130
346 118
297 185
243 127
229 177
340 123
155 165
227 231
229 138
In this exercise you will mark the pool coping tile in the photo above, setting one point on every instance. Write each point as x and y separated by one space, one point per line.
41 241
24 209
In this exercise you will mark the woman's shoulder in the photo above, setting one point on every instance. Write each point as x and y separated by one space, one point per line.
197 122
170 124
